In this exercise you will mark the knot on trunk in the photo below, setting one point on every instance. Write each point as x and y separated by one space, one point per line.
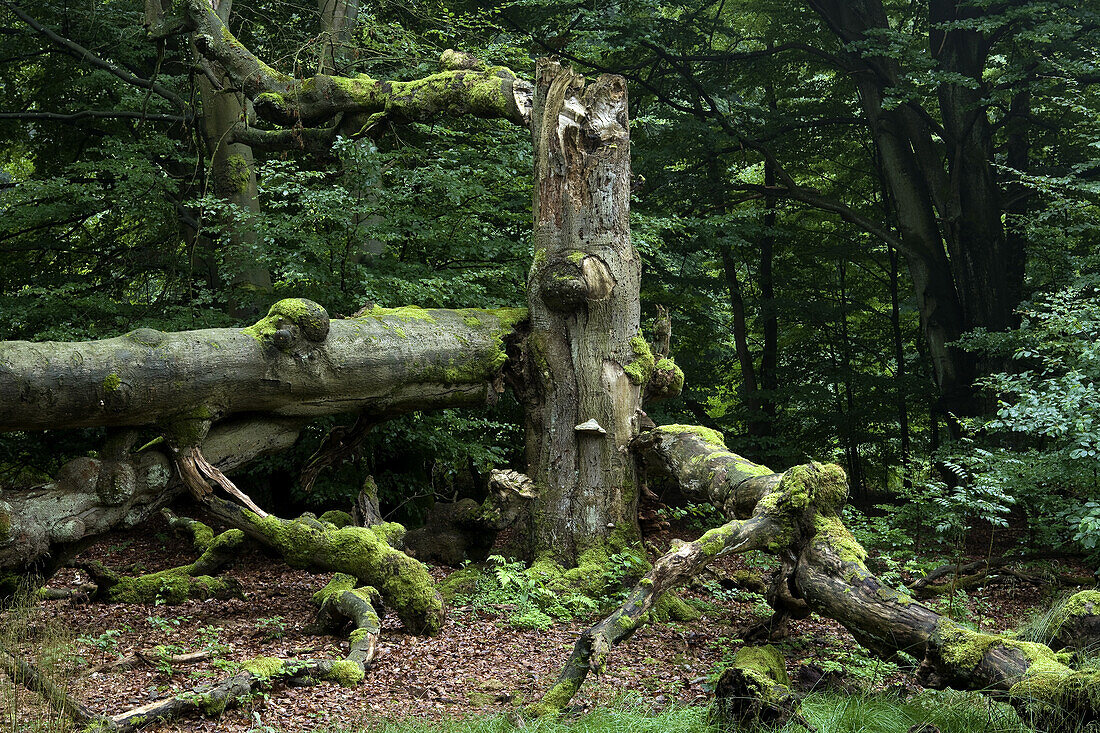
292 323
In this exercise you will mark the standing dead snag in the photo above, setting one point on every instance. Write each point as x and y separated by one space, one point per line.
795 515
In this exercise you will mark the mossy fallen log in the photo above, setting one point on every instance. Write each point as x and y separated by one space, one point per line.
293 362
404 583
823 570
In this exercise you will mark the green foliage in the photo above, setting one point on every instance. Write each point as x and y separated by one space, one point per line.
1040 449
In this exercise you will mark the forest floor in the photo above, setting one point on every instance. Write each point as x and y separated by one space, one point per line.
479 664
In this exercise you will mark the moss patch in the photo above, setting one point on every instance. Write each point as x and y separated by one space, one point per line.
640 368
111 382
337 518
264 668
708 436
346 673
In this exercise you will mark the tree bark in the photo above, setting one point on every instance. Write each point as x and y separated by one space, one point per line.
292 363
586 362
796 516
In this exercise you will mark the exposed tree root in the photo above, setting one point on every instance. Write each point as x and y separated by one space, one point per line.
796 517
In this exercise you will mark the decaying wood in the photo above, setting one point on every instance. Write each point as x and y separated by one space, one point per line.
754 691
361 552
465 530
826 572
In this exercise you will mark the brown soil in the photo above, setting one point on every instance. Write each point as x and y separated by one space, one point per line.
478 664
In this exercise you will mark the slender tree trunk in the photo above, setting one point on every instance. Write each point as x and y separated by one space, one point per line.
233 174
337 18
899 370
586 361
769 352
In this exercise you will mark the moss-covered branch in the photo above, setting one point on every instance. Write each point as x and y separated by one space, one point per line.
361 552
464 87
824 571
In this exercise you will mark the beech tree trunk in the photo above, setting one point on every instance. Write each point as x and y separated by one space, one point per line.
586 363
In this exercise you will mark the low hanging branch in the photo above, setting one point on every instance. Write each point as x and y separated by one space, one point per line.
795 515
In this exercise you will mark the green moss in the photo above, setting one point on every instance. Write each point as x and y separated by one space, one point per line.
358 635
238 174
961 647
311 319
264 668
668 365
670 607
346 673
404 313
708 436
111 382
1085 603
339 583
172 586
391 533
336 517
640 368
555 699
212 704
576 257
404 583
831 532
830 487
471 321
764 663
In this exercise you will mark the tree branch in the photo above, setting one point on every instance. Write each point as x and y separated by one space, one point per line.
80 53
466 86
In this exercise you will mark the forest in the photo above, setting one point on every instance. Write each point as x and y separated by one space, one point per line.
624 365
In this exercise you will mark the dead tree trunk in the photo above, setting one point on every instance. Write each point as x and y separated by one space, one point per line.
586 362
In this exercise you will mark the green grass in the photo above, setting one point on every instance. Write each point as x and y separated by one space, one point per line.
951 712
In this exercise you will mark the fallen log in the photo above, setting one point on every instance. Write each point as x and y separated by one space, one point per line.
361 552
824 569
295 362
